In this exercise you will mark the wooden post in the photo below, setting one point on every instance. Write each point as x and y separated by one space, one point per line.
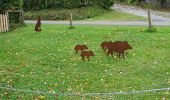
22 17
5 23
71 19
7 14
149 19
0 23
3 28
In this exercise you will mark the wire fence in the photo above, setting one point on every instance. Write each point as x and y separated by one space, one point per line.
85 94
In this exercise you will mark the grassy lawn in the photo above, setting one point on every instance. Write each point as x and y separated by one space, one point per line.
84 13
117 16
46 61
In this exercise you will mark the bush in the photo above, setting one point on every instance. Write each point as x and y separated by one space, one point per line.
11 5
48 4
106 3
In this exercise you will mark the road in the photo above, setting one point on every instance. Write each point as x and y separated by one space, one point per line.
157 19
155 15
116 23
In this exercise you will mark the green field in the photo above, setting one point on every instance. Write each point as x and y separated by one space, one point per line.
46 61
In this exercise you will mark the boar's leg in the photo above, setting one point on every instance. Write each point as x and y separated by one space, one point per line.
123 54
112 54
104 49
109 52
76 51
119 55
88 58
83 58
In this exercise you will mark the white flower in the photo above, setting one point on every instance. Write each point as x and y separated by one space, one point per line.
45 83
155 62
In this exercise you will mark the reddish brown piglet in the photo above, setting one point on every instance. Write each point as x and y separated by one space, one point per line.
80 48
86 54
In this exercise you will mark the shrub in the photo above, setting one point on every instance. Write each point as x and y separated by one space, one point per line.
47 4
106 3
11 5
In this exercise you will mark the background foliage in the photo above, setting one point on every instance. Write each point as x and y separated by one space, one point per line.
47 4
11 5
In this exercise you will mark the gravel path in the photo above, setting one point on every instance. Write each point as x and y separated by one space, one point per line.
116 23
155 15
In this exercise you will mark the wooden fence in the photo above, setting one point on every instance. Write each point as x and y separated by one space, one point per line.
4 23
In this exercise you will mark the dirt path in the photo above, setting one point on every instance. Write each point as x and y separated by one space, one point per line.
156 16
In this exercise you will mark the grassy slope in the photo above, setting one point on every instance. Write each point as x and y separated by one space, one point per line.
46 61
91 13
64 14
117 16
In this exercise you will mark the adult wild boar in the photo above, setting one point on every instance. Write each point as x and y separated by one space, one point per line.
106 45
120 47
38 25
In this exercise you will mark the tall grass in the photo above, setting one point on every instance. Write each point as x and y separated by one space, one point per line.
64 14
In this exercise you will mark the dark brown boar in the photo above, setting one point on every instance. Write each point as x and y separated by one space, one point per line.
119 47
80 48
86 54
105 45
38 25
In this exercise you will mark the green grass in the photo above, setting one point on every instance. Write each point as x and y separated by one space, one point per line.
46 61
84 13
117 16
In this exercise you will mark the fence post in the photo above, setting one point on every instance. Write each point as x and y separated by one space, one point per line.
71 20
149 19
7 20
0 23
22 17
5 23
